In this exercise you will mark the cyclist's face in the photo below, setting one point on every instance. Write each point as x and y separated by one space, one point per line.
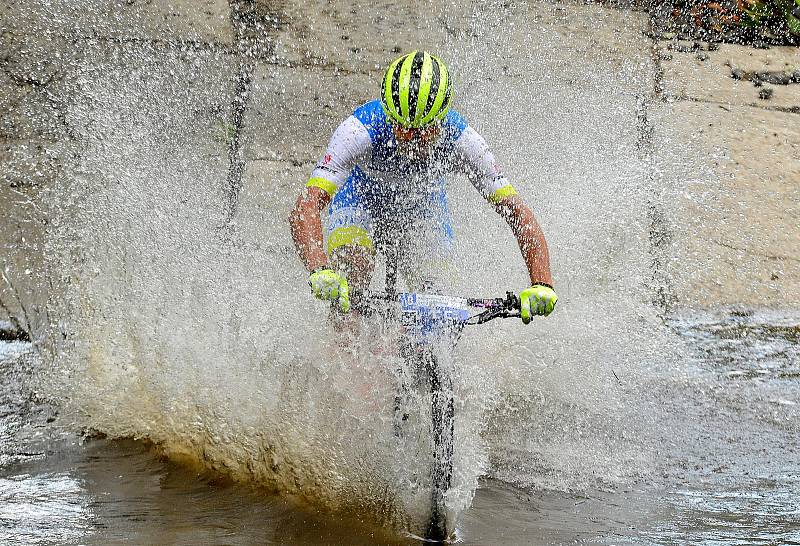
416 141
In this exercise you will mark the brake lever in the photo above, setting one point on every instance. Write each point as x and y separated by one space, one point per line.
512 302
510 309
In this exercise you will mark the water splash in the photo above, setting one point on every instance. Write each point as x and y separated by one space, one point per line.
180 320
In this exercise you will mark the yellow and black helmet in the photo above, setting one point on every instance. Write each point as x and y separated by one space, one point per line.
416 90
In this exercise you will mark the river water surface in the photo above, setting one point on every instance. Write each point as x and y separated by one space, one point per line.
727 473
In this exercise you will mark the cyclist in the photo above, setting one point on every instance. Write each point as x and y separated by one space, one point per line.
383 177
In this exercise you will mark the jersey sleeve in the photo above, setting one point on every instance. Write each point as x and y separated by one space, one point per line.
349 145
476 160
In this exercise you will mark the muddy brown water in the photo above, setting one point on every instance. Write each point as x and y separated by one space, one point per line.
730 476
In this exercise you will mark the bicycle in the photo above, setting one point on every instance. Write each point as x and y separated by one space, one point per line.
430 324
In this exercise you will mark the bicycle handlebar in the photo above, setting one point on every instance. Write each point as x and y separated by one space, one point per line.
508 307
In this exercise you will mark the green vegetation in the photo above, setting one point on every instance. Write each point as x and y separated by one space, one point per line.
760 23
772 14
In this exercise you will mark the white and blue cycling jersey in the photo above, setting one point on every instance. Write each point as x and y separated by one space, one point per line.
379 192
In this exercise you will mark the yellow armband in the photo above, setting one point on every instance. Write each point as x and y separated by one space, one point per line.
498 195
323 184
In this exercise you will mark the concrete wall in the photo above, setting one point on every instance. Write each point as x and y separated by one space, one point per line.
43 47
724 220
737 222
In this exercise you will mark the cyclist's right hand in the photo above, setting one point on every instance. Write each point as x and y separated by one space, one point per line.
326 284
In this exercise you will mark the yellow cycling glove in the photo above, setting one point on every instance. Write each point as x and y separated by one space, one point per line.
539 299
326 284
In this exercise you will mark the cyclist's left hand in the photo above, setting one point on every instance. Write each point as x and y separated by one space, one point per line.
539 299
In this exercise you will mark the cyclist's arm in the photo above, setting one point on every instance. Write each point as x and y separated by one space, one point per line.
530 237
349 144
476 160
306 225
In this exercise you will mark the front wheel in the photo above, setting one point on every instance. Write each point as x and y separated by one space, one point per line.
424 421
440 382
